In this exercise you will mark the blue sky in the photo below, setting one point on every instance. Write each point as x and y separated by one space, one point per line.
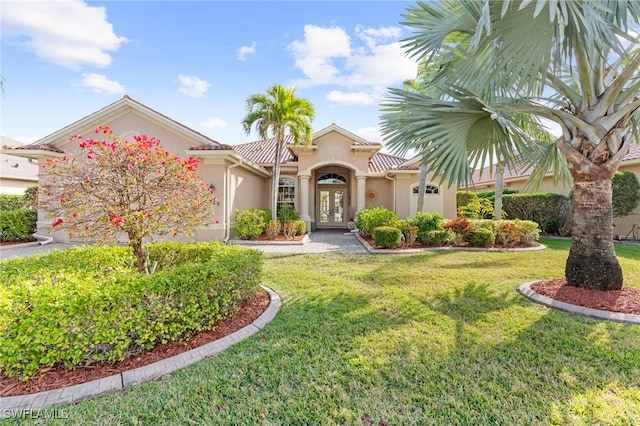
198 61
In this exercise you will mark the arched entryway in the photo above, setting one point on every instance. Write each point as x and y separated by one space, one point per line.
332 198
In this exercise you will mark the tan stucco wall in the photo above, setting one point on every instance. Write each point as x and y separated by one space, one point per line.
15 186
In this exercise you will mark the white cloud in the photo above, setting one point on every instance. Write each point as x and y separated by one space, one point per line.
245 51
69 33
371 134
365 66
100 84
353 98
214 123
193 86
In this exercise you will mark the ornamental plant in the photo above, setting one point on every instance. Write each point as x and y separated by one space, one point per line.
112 188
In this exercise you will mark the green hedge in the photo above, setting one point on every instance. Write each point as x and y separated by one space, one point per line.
542 208
251 223
480 237
86 304
9 202
625 193
387 236
372 217
17 225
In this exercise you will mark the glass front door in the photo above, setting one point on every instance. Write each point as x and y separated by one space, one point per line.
331 207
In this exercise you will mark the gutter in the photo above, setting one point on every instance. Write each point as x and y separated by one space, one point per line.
47 240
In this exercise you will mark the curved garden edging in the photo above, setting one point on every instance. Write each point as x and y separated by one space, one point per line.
16 405
526 291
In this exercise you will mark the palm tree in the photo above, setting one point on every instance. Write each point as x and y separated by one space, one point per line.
504 66
272 115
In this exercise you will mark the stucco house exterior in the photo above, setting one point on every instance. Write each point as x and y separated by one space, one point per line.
327 182
485 180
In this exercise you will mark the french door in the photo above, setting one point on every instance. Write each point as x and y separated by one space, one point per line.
331 203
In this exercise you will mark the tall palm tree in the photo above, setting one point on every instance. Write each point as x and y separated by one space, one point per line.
272 115
504 66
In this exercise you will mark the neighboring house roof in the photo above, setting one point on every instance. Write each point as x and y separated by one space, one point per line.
126 103
14 167
486 175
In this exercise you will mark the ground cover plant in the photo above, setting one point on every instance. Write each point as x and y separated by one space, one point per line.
88 304
433 338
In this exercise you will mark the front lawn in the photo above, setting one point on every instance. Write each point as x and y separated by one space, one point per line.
439 337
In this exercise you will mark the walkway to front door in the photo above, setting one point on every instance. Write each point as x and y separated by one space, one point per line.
320 241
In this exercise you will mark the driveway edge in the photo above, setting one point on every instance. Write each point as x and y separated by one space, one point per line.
24 404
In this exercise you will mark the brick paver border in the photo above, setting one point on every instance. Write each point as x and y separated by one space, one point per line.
15 405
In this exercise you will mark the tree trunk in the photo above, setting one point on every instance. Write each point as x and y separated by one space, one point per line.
276 177
592 262
422 187
140 252
497 206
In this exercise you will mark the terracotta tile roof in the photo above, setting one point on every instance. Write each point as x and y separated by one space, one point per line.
380 163
264 151
489 177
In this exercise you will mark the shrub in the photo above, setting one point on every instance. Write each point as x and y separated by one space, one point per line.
544 208
287 213
251 223
372 217
86 304
411 234
530 231
273 229
509 233
491 194
17 225
465 197
10 202
426 221
481 208
302 227
435 238
480 237
626 193
291 229
30 197
459 225
387 236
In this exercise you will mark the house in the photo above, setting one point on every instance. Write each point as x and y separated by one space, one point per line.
485 180
327 182
16 173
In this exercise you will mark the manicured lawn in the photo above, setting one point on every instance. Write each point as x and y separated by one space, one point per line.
436 338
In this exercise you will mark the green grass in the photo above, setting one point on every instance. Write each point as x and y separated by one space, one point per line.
439 337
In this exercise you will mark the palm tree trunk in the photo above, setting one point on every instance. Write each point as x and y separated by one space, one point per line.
497 207
276 177
422 186
592 262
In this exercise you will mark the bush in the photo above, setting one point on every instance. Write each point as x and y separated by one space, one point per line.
435 238
17 225
481 208
372 217
480 237
530 231
461 226
10 202
426 221
491 194
465 197
86 304
273 229
287 213
251 223
509 233
387 236
30 197
302 227
626 193
543 208
411 234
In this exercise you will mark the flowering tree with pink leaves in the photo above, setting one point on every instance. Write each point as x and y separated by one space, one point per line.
113 187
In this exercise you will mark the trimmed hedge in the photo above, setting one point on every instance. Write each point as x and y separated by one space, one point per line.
372 217
17 225
542 208
387 236
625 193
251 223
86 304
480 237
10 202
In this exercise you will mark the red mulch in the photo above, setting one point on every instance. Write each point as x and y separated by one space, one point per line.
54 378
625 300
11 243
279 237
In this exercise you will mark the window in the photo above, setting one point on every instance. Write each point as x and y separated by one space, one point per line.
429 189
286 192
332 179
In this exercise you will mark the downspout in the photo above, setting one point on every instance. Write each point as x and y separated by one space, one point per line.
394 191
227 207
47 240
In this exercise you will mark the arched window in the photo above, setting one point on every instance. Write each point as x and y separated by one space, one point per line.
286 192
332 179
429 189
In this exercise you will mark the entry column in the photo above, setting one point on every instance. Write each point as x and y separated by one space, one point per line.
304 200
360 192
